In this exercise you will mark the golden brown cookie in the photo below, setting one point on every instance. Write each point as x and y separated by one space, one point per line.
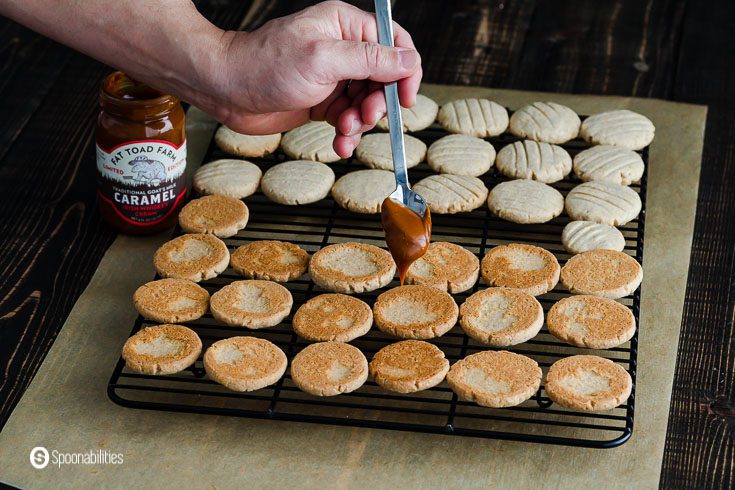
409 366
271 260
171 300
605 273
351 268
219 215
415 312
162 349
517 265
329 368
591 321
588 383
445 266
244 363
252 303
332 317
195 257
246 145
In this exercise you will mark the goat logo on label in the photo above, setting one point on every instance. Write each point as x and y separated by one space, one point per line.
147 171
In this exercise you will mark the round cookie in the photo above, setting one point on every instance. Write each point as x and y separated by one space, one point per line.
460 154
517 265
619 128
409 366
591 321
545 121
162 349
195 257
246 145
244 363
419 117
221 216
534 160
297 182
329 368
588 383
252 304
477 117
605 273
449 194
603 202
271 260
500 317
582 236
609 164
525 201
415 312
495 378
332 317
312 141
445 266
171 300
232 178
374 151
351 268
364 191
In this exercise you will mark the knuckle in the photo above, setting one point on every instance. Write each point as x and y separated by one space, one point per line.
373 55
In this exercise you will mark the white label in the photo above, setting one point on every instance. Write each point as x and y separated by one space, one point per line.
142 163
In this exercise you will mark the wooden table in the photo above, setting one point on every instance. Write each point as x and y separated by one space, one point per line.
52 237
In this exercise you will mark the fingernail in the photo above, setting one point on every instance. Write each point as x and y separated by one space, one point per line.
408 58
355 127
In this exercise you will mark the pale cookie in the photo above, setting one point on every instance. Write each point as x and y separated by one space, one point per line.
221 216
329 368
517 265
312 141
476 117
233 178
271 260
619 128
195 257
460 154
245 145
352 268
374 151
603 202
364 191
252 304
605 273
495 378
332 317
591 321
415 312
534 160
419 117
545 121
171 300
162 349
244 363
297 182
445 266
449 194
409 366
588 383
609 164
525 201
500 317
582 236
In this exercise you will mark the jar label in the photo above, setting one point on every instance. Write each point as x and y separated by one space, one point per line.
142 181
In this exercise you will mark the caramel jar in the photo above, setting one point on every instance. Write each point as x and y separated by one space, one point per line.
141 156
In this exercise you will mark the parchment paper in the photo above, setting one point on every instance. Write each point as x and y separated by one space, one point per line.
66 407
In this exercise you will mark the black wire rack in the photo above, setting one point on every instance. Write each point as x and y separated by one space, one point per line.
437 410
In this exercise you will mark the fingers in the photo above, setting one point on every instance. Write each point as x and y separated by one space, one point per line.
345 145
344 60
318 112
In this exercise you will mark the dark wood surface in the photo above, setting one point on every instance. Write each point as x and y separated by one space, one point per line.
52 238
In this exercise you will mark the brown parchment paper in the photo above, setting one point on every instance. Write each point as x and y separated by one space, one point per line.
66 407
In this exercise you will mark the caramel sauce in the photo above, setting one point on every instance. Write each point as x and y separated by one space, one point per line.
406 233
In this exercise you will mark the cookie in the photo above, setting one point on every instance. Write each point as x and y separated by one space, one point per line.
582 236
500 317
525 201
419 117
351 268
245 145
271 260
364 191
415 312
297 182
534 160
374 151
517 265
545 121
244 363
460 154
221 216
445 266
495 378
312 141
332 317
605 273
591 321
232 178
609 164
603 202
329 368
619 128
162 349
195 257
409 366
588 383
171 300
252 304
477 117
449 194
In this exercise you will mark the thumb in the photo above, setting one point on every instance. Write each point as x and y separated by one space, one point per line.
361 60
